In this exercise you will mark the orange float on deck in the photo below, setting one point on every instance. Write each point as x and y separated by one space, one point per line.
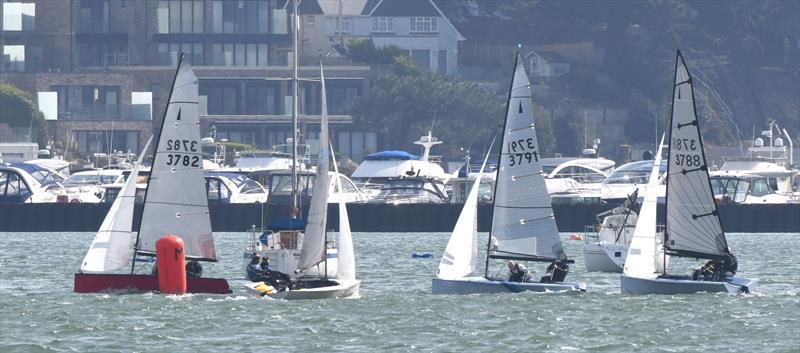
171 265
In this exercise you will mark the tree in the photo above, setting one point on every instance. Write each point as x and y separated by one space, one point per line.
19 110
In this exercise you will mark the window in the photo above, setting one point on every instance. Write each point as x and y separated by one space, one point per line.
240 16
87 102
222 99
19 16
168 53
96 141
217 191
421 58
240 54
383 25
19 58
141 105
250 186
94 54
423 24
345 25
13 188
261 99
180 16
442 63
93 16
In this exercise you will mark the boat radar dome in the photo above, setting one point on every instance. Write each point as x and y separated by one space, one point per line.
207 140
759 142
778 142
590 152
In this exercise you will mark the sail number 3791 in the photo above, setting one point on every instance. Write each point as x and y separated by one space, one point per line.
522 151
176 159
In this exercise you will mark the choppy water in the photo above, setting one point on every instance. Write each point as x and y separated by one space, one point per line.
39 312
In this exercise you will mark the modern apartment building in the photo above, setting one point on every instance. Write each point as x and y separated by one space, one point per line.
102 69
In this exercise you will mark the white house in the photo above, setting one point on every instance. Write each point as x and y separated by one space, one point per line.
547 64
418 26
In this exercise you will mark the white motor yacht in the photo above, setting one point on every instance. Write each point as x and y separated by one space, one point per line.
378 168
766 174
28 183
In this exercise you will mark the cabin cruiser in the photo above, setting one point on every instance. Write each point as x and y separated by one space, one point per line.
224 188
28 183
606 244
576 180
89 186
765 175
280 187
409 190
460 186
624 180
378 168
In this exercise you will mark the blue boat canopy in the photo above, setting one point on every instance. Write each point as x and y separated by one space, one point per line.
391 155
287 224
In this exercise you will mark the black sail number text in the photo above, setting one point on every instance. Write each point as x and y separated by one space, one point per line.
522 151
684 144
174 159
182 145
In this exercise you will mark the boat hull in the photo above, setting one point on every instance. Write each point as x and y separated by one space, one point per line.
109 282
342 289
473 285
601 257
684 285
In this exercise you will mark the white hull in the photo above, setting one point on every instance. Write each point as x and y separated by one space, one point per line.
342 289
684 285
603 257
473 285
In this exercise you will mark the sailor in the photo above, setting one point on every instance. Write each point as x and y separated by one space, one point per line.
729 266
517 272
708 270
556 271
253 270
194 269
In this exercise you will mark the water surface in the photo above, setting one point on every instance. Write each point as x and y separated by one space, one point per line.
39 312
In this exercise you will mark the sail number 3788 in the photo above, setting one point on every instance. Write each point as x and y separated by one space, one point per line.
522 151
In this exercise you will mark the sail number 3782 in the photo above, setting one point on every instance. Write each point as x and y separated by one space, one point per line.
522 151
185 160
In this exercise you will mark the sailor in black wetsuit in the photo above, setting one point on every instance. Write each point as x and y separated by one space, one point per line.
556 272
253 270
194 269
517 272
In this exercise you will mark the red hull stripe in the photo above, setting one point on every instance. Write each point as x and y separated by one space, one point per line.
106 282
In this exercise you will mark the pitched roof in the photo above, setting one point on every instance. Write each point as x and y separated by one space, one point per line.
349 7
404 8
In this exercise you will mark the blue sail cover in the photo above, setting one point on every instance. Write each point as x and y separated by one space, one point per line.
391 155
287 224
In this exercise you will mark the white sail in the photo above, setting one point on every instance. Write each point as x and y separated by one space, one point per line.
313 251
643 260
462 248
111 248
523 224
692 223
175 201
346 259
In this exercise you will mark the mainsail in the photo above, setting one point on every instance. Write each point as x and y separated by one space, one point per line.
642 260
313 251
346 260
111 248
461 252
523 223
692 227
175 201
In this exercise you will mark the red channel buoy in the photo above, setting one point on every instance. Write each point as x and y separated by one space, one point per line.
171 265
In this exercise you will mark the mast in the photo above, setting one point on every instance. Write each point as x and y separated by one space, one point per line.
295 83
499 162
155 150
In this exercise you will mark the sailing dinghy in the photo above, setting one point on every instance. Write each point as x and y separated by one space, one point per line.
317 285
693 228
523 226
175 203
